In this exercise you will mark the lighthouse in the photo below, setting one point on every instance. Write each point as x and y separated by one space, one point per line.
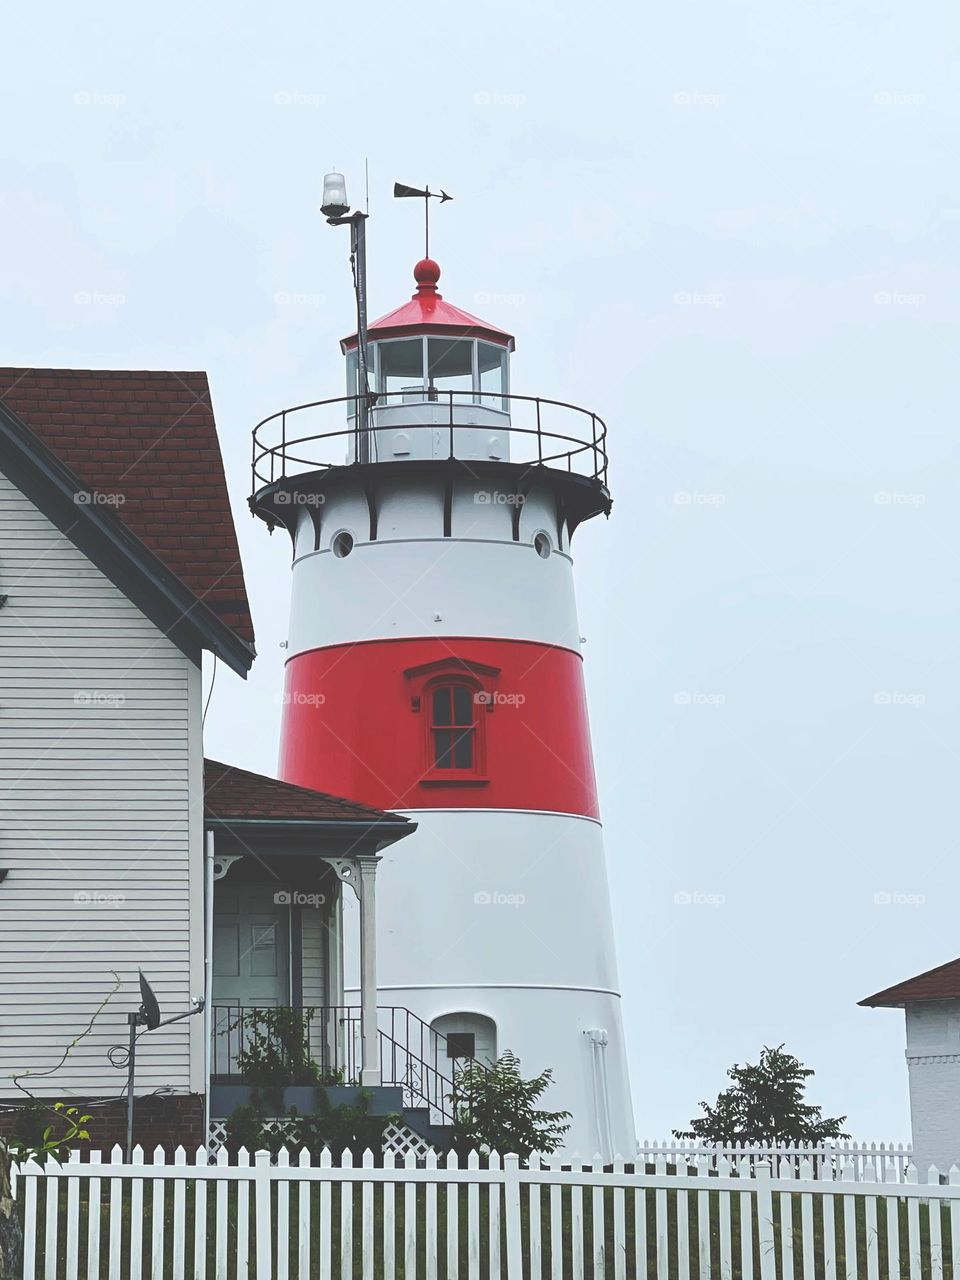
434 667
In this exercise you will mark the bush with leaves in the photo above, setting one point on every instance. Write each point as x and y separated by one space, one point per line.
495 1110
765 1104
40 1129
347 1126
276 1049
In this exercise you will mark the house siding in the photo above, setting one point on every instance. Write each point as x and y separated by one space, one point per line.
100 831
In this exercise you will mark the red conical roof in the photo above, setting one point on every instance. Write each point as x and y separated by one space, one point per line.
427 312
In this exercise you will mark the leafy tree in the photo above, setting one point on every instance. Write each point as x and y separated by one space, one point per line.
765 1104
495 1110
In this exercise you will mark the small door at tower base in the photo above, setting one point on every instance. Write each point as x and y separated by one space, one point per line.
465 1036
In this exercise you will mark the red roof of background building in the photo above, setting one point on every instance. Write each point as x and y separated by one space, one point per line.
231 794
428 312
942 983
150 438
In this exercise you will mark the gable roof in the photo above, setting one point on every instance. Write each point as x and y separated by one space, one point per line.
144 445
231 794
942 983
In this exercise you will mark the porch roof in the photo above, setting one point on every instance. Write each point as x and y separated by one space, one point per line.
236 798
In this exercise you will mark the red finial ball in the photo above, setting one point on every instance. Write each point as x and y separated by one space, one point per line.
426 273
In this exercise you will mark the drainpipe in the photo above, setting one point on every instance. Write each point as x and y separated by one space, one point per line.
207 983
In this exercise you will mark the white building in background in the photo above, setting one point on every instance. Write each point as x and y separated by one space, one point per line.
931 1002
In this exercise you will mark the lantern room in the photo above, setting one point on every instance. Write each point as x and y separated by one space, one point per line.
439 378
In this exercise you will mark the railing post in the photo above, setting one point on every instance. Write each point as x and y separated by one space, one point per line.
539 436
511 1209
450 394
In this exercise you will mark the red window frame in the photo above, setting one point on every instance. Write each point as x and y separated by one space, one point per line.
478 681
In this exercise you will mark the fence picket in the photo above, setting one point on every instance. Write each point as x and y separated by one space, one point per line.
367 1222
619 1228
73 1221
93 1221
453 1220
304 1190
936 1235
325 1223
262 1216
179 1216
199 1219
534 1204
787 1170
390 1223
828 1204
806 1221
913 1229
28 1185
556 1225
51 1206
871 1233
243 1218
283 1219
493 1215
849 1222
473 1221
346 1218
660 1200
598 1224
221 1236
116 1218
511 1215
744 1170
409 1219
576 1228
726 1236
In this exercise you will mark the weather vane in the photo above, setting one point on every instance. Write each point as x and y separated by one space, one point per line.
403 192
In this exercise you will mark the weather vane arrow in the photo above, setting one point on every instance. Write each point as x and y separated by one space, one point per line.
402 192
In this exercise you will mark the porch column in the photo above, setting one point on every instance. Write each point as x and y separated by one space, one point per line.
370 1070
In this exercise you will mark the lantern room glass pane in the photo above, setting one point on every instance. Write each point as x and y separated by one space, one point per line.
450 367
492 366
401 368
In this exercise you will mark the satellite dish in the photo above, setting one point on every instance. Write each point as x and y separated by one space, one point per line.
149 1006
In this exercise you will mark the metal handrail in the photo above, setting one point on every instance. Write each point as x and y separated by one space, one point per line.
269 460
410 1051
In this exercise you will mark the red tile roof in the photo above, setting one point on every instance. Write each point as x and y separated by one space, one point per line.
942 983
150 439
230 794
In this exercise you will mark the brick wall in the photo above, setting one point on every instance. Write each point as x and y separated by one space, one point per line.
168 1121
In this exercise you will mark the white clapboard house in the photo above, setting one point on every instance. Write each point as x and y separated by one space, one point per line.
121 848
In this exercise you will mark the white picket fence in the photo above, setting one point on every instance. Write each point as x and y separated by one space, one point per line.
889 1160
483 1219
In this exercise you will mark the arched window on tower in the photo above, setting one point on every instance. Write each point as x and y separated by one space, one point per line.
453 698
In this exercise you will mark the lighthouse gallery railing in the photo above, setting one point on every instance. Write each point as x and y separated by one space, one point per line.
281 448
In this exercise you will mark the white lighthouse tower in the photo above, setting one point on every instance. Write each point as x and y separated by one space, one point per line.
434 667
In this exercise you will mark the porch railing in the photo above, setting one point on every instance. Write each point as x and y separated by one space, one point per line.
411 1054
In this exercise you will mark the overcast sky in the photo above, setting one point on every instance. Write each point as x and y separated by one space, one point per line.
731 228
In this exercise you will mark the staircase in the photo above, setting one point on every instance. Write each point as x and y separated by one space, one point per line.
413 1058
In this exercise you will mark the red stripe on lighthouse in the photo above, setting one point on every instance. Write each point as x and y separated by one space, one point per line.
441 723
